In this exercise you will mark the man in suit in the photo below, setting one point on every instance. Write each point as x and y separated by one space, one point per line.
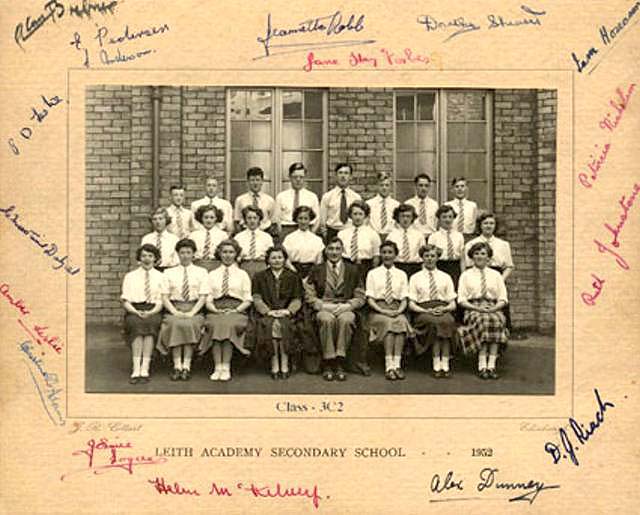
335 291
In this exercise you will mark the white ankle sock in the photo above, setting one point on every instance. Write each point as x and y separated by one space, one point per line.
492 362
437 366
445 363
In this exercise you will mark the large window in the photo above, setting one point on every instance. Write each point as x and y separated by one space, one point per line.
272 128
445 133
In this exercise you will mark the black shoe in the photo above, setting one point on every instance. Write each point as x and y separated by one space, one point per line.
493 374
446 374
483 374
327 375
185 375
390 375
144 379
340 375
134 380
275 375
175 375
400 374
285 375
362 368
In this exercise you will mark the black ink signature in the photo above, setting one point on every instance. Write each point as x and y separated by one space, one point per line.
87 7
329 25
53 11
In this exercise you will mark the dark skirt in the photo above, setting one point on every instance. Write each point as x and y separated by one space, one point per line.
225 326
409 268
177 331
506 310
482 328
207 264
135 326
268 328
303 268
428 327
380 325
451 267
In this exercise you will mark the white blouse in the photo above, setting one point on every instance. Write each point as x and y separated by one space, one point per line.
420 286
173 278
200 237
439 239
470 210
368 242
239 283
133 285
375 218
168 255
223 205
264 241
469 287
416 241
501 251
377 283
303 247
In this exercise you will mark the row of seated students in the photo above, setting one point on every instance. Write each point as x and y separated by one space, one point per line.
242 293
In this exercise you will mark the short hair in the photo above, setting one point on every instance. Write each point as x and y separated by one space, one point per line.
210 178
303 209
445 208
333 240
252 209
482 218
479 246
255 171
185 242
275 248
227 243
360 204
209 207
428 248
422 176
391 245
404 208
342 165
161 211
383 176
295 167
455 180
176 187
147 247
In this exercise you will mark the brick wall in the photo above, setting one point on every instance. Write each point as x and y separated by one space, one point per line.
360 131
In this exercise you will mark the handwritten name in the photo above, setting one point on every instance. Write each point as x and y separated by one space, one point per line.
384 58
568 448
96 427
487 480
38 113
48 249
461 25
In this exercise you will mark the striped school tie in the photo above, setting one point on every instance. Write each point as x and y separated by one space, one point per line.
449 246
383 214
147 286
354 244
433 291
159 246
185 285
483 284
405 247
423 212
461 217
255 200
179 223
206 253
252 245
225 282
388 290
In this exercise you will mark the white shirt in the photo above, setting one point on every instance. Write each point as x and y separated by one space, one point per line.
469 287
431 206
368 242
173 278
265 202
377 283
239 283
133 285
188 222
420 286
168 255
439 239
223 205
264 241
416 241
470 209
375 220
501 251
330 207
200 237
303 247
284 206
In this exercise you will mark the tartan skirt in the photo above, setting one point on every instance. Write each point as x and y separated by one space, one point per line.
482 328
135 326
429 327
380 325
225 326
176 331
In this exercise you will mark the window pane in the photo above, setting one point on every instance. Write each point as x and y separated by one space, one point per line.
456 165
404 190
455 106
426 136
474 105
455 136
313 163
478 193
477 166
404 107
291 135
237 104
477 135
261 135
405 166
259 105
239 161
406 136
313 105
240 135
288 158
292 105
312 134
427 163
426 106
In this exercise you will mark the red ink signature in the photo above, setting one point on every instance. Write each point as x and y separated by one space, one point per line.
16 303
620 106
107 458
626 205
176 489
373 59
590 298
594 166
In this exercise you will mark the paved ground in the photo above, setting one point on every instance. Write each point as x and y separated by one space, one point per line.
527 368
